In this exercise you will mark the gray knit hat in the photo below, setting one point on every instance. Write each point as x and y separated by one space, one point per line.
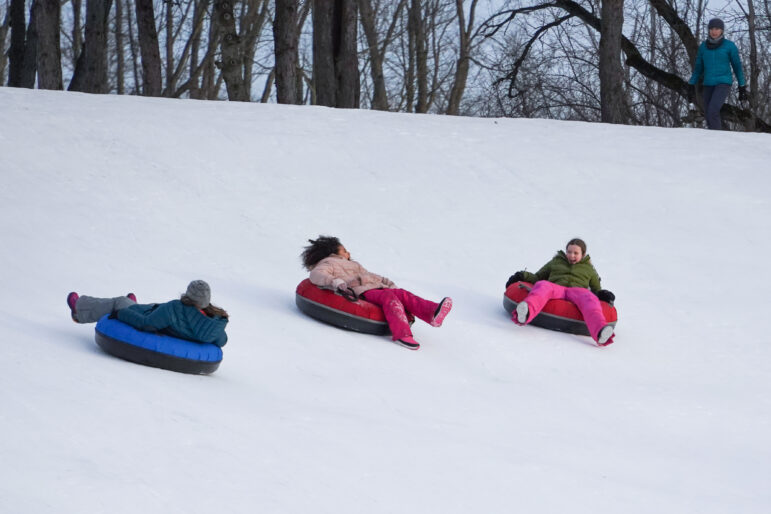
200 293
716 23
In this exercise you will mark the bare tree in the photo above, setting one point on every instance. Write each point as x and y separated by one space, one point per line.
285 45
49 55
612 96
377 48
4 26
464 55
336 78
148 48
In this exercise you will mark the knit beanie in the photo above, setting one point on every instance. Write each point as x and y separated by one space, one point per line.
715 23
200 293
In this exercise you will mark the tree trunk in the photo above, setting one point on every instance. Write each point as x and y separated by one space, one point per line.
148 48
49 55
3 35
18 42
417 31
77 31
464 56
120 61
29 66
232 55
612 97
754 68
169 47
335 59
285 44
380 95
346 56
134 53
324 83
91 71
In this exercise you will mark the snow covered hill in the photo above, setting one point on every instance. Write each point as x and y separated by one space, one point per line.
106 195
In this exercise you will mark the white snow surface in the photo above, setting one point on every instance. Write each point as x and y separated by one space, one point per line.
104 195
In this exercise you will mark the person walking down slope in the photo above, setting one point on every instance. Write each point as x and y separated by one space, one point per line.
331 266
715 59
192 317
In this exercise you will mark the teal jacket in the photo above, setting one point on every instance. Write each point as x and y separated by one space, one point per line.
715 64
560 271
176 319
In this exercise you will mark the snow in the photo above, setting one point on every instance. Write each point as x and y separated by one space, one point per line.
105 195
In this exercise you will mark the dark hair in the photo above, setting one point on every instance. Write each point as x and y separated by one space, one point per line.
579 243
210 310
319 249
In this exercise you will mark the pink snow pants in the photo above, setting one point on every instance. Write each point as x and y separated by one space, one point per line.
584 299
396 303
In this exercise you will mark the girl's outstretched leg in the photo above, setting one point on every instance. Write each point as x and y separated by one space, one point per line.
393 309
431 312
542 292
591 310
89 309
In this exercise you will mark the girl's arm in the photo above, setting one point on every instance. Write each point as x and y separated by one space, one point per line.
155 320
323 276
698 67
736 64
594 281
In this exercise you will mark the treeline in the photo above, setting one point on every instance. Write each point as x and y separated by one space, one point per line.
614 61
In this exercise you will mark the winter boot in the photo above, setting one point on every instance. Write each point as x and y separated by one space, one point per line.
606 336
132 297
408 342
441 312
522 311
72 299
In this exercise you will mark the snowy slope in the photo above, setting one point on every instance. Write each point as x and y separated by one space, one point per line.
106 195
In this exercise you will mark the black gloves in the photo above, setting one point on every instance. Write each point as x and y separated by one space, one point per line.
743 96
348 294
606 296
519 276
692 93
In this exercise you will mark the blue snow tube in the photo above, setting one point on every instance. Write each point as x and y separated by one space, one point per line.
156 350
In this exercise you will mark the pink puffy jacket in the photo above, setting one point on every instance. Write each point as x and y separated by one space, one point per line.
335 271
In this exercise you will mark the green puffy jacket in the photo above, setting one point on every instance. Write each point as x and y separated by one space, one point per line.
560 271
176 319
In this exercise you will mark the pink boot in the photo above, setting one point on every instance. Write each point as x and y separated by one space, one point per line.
441 312
72 299
408 342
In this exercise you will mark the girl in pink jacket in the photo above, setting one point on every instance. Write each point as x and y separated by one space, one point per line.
331 267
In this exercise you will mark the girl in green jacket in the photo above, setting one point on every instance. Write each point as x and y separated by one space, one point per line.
570 276
192 317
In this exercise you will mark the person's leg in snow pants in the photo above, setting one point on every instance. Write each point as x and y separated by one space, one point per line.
714 98
90 309
396 303
584 299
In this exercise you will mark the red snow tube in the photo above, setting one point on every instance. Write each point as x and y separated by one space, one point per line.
327 306
560 315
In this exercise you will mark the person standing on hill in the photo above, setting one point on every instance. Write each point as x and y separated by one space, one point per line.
714 61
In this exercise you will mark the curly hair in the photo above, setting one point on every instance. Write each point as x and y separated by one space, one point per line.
210 310
319 249
579 243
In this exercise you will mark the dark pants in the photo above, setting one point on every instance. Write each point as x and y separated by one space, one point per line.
714 98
